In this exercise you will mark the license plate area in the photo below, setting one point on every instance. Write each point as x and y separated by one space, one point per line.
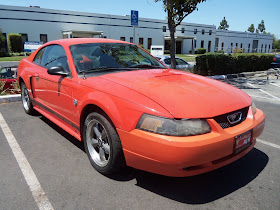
242 141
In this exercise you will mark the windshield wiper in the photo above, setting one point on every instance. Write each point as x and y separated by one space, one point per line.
104 68
146 66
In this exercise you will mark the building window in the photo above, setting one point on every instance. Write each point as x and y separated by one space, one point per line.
195 44
231 46
141 41
222 46
210 32
164 28
262 48
183 30
203 31
105 37
202 44
122 38
131 39
265 48
24 38
43 38
149 43
268 48
209 46
195 31
236 45
249 48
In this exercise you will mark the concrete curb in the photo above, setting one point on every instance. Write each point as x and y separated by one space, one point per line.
10 98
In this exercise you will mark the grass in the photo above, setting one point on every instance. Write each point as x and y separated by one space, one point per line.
13 58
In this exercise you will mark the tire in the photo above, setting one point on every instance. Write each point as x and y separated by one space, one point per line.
26 101
102 144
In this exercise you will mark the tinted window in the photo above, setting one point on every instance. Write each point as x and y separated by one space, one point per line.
39 56
180 62
168 61
55 56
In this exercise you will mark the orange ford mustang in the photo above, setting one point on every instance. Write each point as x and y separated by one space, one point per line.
131 110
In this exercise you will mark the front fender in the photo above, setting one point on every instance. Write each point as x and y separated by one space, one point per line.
123 111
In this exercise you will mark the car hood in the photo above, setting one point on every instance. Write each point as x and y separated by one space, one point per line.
184 95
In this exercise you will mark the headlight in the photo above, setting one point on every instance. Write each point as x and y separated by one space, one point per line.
254 108
172 127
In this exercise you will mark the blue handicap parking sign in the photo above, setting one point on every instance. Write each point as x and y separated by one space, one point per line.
134 18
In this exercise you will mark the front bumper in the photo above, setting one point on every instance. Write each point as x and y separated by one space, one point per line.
188 156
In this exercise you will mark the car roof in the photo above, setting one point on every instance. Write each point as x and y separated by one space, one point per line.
162 56
74 41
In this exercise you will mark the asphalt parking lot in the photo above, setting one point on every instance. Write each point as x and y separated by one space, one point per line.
66 179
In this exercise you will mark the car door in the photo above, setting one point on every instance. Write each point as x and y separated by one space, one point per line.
53 93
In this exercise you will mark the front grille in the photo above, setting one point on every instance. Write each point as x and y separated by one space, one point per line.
223 121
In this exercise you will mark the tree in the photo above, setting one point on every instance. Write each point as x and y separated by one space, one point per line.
261 27
223 24
251 28
275 43
257 30
177 10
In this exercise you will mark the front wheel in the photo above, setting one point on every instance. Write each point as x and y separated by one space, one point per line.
102 144
26 101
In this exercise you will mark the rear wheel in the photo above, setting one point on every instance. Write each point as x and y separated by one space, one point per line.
102 144
26 101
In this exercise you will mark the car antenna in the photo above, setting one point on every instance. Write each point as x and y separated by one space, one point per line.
84 74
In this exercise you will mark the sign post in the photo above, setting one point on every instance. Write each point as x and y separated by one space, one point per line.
134 22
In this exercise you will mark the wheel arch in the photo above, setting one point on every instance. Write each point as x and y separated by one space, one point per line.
89 108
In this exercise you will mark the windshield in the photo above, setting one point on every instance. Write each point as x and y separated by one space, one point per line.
92 57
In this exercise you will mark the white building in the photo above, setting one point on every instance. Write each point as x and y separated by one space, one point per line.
37 24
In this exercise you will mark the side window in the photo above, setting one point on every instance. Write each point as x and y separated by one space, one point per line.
180 62
167 61
55 56
38 57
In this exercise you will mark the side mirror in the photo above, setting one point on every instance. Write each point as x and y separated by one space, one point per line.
57 70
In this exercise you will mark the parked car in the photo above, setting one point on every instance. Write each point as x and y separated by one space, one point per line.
8 76
130 110
276 61
180 63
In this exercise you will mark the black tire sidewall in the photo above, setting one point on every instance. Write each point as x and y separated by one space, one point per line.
30 109
113 138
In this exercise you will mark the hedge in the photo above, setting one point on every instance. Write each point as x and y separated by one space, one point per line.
15 42
200 51
219 63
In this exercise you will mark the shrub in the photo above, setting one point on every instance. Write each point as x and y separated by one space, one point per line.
4 54
15 42
200 51
217 63
238 50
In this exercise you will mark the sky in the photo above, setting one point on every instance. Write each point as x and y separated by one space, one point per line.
240 14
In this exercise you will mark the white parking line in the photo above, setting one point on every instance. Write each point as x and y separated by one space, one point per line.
264 92
29 175
268 143
254 96
275 84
